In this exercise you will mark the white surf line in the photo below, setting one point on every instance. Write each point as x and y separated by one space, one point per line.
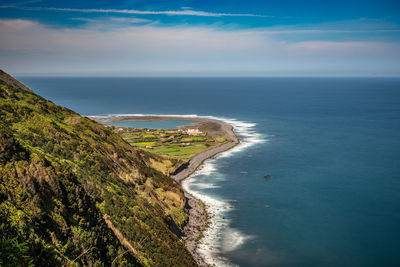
218 237
244 130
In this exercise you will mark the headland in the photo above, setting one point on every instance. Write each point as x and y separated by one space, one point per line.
198 217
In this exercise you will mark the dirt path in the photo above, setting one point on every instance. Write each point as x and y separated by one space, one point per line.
120 236
198 159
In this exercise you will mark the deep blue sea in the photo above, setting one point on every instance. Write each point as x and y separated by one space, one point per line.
331 146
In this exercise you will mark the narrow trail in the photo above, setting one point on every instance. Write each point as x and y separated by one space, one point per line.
120 236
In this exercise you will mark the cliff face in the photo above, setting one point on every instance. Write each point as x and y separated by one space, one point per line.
74 192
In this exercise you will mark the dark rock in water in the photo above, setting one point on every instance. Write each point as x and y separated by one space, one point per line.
267 176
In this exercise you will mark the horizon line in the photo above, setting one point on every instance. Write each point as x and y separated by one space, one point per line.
199 76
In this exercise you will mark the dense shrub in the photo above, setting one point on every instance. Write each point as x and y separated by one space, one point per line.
61 174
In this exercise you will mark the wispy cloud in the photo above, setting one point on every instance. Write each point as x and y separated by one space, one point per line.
148 49
317 31
185 12
116 20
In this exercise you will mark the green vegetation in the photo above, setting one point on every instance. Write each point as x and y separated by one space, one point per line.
74 193
175 145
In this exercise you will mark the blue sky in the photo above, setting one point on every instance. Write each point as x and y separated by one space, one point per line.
200 38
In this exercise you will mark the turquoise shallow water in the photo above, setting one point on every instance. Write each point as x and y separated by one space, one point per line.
331 146
169 124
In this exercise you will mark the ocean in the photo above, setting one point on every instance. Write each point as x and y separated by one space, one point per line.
330 145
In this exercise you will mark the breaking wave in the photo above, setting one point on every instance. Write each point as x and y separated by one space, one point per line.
219 236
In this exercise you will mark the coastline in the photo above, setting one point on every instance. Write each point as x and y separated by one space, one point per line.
197 212
198 215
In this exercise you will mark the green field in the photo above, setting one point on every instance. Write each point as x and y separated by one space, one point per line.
169 143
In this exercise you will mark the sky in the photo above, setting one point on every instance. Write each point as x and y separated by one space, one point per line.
185 38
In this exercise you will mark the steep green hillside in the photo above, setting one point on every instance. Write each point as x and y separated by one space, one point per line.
73 192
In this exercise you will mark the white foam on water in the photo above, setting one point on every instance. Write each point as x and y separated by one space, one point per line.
244 130
207 169
205 185
219 236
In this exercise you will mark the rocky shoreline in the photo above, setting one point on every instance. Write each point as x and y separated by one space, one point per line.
198 217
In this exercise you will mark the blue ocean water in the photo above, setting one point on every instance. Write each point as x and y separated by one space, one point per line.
331 146
169 124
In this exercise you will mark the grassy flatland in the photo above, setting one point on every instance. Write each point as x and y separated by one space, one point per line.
171 144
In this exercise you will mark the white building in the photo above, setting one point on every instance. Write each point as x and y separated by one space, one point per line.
193 131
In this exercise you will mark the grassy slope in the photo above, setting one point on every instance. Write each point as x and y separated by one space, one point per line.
61 173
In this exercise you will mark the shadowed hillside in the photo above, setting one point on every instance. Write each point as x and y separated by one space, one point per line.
73 192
